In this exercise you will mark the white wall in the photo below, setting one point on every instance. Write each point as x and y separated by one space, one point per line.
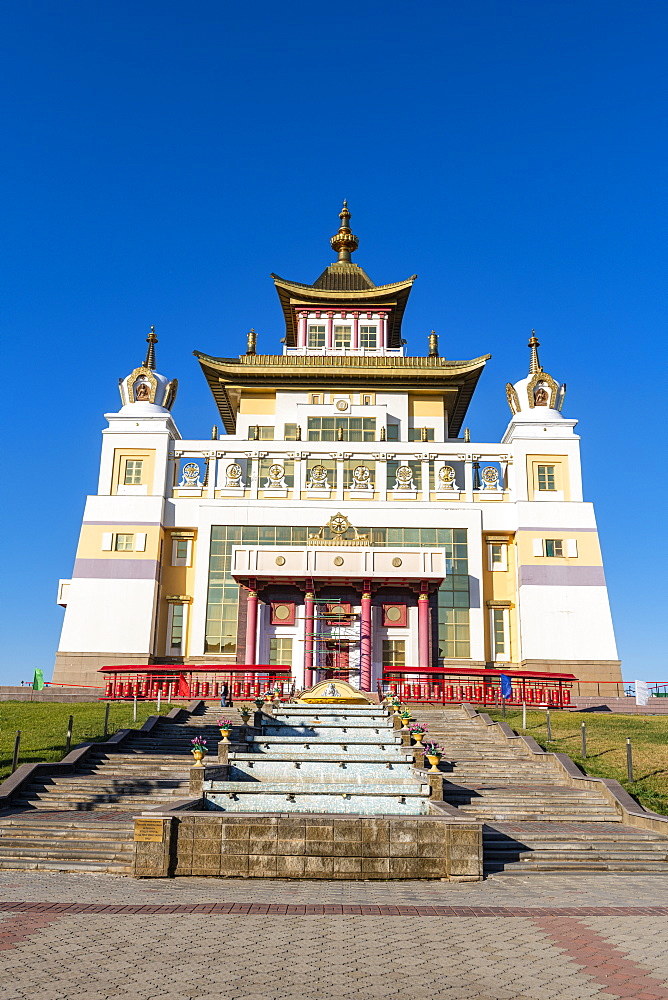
566 623
106 616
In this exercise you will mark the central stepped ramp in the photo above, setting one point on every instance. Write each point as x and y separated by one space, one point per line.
533 820
323 759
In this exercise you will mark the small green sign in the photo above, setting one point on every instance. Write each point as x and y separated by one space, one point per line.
38 680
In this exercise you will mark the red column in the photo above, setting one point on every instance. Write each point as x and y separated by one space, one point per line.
251 627
423 631
330 330
308 638
365 642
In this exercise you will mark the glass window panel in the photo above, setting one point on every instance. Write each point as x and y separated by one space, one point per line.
546 477
316 336
341 337
124 543
392 432
133 471
289 432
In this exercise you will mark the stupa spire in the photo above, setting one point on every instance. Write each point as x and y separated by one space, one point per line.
151 340
344 242
534 364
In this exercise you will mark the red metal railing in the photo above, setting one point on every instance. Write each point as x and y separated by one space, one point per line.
179 682
454 685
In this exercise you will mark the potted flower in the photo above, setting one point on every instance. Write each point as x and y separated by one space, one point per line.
396 705
433 752
417 731
198 750
245 712
259 702
225 728
405 717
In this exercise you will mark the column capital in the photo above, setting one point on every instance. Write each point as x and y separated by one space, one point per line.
423 597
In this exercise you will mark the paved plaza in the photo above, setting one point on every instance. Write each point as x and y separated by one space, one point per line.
533 937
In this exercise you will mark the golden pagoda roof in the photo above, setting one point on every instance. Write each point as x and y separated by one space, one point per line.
344 284
228 377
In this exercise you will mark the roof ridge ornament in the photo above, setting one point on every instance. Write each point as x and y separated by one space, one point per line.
151 340
534 365
344 242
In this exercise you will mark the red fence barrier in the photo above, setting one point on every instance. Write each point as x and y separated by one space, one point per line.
178 682
453 685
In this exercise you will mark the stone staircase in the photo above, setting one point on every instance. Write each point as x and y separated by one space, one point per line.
83 821
533 822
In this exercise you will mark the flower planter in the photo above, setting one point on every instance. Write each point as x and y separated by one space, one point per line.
198 754
225 733
417 737
434 761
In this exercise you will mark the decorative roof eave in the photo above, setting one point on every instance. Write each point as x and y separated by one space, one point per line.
398 290
456 379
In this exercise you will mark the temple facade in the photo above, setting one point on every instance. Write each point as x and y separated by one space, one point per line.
344 523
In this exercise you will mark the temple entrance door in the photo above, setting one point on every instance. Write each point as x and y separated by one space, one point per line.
336 660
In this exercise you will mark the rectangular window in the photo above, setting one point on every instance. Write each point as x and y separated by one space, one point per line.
181 548
341 337
368 337
316 400
394 653
176 630
420 433
258 432
316 336
133 471
546 477
554 547
499 633
124 543
289 432
368 400
280 651
498 556
354 476
392 432
341 428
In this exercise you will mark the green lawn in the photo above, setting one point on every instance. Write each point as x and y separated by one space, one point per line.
606 747
43 727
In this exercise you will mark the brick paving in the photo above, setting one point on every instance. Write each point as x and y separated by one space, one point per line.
534 937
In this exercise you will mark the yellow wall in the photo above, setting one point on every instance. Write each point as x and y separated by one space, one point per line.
589 549
257 403
562 480
500 586
90 541
425 406
174 580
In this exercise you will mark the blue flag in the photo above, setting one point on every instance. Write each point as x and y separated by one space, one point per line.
506 686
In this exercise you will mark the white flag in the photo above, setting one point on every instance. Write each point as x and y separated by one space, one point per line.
642 692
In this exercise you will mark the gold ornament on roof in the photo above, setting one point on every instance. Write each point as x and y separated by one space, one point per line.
344 242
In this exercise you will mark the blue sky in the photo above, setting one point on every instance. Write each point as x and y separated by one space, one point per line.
159 160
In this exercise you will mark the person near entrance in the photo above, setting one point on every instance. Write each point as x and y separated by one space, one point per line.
224 694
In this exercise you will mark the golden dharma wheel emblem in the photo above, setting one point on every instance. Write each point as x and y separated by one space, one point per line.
404 473
339 524
280 560
342 404
396 562
275 472
446 474
338 561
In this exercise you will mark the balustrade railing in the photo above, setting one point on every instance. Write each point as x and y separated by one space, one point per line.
179 682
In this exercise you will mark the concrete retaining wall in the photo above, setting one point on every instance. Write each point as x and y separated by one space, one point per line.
308 845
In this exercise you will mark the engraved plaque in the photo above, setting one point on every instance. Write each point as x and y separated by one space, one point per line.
149 830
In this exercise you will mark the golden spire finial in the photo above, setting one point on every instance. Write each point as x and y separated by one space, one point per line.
251 341
433 344
534 365
344 242
151 340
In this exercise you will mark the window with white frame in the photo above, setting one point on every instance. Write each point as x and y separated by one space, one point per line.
176 629
316 336
498 556
499 633
181 551
342 338
133 472
280 651
124 543
546 477
554 548
368 337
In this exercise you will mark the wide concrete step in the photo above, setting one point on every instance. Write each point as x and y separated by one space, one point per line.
39 863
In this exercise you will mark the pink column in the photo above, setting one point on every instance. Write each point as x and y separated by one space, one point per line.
365 640
330 330
308 639
251 628
356 332
302 337
423 630
382 320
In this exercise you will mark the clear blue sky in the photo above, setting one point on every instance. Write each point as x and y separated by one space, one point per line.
159 159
